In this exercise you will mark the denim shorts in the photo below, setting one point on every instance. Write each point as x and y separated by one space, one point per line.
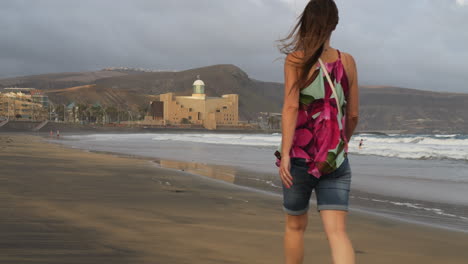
331 190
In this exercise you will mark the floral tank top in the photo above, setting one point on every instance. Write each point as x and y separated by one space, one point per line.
319 137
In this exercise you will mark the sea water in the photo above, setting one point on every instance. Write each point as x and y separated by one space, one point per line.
419 178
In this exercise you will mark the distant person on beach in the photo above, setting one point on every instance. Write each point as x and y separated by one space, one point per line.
58 133
361 142
51 133
319 116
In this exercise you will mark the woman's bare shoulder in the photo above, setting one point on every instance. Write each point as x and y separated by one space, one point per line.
348 58
295 57
348 62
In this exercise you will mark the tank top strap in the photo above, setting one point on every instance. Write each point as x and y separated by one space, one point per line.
339 54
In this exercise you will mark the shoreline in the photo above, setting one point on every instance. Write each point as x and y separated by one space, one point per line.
126 210
238 177
25 126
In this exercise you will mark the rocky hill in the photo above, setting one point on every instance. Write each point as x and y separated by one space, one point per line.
413 111
382 108
58 80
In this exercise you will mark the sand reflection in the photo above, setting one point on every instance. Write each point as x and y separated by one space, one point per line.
219 172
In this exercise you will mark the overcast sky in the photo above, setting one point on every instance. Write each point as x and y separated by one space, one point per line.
420 44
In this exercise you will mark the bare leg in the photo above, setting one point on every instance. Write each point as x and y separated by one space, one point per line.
294 238
334 223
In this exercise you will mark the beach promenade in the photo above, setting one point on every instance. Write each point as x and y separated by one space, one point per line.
63 205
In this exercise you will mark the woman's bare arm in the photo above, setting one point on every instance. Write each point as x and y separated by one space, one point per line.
352 107
290 105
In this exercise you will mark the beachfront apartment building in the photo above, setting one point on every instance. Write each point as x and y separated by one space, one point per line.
23 104
197 109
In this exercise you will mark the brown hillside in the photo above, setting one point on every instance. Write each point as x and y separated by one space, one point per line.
254 96
58 80
71 89
413 110
91 94
382 108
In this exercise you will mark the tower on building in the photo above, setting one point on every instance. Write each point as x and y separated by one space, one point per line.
198 88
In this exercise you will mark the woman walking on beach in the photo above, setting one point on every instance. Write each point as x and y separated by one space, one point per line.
320 113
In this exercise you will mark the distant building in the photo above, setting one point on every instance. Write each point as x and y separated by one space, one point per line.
197 109
269 120
39 97
23 104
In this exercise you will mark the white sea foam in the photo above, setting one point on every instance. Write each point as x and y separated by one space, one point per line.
416 206
413 146
399 146
230 139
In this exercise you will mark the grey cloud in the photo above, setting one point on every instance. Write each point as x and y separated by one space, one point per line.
416 44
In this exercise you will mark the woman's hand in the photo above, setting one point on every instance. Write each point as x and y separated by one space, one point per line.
284 171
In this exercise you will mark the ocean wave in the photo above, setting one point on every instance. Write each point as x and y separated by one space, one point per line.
422 147
453 147
416 206
217 138
446 136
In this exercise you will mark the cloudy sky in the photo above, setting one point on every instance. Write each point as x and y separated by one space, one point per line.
420 44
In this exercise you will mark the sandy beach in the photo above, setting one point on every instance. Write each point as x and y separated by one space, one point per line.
63 205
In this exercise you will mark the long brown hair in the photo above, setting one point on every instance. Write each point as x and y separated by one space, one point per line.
315 25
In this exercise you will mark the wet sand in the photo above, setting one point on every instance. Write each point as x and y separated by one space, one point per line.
61 205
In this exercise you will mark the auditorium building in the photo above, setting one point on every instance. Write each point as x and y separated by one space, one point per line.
197 109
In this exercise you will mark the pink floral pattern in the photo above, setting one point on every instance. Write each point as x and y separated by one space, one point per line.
314 138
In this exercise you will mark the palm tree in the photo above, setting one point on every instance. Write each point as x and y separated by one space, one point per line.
111 113
142 112
74 113
60 111
83 113
96 112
